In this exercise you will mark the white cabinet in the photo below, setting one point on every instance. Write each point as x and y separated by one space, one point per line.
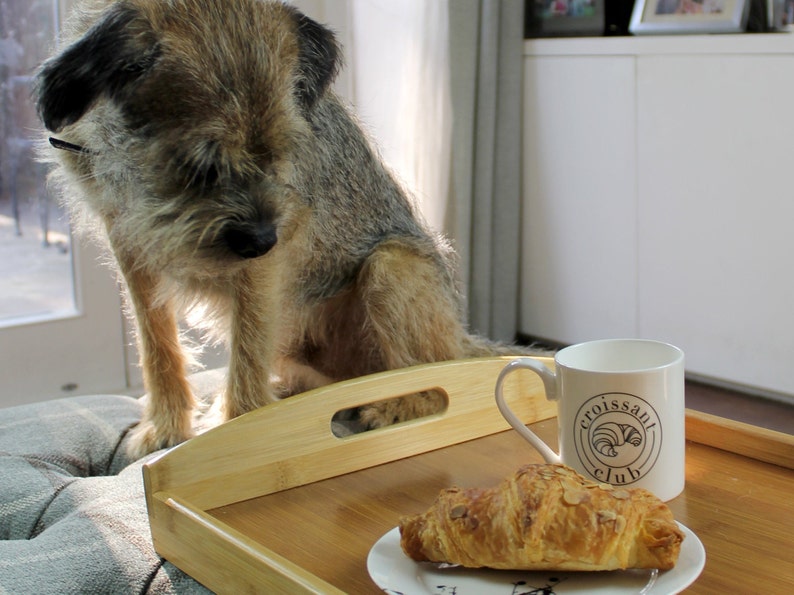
579 259
658 198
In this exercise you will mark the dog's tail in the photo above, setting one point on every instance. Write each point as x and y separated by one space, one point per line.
477 346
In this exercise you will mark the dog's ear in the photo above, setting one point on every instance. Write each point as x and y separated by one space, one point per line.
319 59
117 50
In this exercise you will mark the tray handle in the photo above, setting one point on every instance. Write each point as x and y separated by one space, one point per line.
290 443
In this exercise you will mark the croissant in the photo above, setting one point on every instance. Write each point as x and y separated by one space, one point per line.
545 517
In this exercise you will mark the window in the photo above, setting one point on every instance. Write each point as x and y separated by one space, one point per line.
61 328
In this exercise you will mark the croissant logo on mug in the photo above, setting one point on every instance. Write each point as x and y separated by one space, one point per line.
618 437
620 412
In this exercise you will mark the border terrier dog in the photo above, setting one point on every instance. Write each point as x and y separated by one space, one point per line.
201 140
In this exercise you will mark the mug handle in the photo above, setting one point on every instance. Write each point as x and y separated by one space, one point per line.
550 384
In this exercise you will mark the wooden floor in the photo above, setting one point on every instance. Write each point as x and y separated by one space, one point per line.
758 411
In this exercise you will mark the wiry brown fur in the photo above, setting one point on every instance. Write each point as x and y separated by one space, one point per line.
223 171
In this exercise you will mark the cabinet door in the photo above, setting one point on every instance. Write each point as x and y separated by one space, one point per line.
716 205
578 272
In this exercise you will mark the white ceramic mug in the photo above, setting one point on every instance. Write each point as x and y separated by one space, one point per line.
620 410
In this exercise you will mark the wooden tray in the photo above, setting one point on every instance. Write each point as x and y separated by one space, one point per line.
227 507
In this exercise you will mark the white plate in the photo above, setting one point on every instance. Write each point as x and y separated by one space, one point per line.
394 572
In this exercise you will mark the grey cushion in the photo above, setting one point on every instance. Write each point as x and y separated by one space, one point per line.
72 509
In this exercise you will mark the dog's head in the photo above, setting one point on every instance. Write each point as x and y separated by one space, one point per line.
191 109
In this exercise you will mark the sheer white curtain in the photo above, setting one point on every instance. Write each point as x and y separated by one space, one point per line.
438 84
399 61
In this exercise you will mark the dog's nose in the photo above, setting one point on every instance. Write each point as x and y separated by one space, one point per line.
251 241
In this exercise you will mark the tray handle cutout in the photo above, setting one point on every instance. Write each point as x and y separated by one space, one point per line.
430 402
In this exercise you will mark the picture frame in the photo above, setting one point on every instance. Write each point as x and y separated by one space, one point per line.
780 14
689 16
563 18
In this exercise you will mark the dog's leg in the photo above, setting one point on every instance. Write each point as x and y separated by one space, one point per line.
254 338
294 378
167 418
413 314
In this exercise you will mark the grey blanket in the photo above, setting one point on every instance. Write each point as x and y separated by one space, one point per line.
72 509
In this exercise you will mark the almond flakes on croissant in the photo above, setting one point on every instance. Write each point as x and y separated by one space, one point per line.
545 517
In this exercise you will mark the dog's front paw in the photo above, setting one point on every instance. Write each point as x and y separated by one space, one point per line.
146 437
392 411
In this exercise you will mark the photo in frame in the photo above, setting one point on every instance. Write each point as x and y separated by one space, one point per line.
562 18
689 16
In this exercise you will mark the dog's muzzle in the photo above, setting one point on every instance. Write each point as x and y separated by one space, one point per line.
250 241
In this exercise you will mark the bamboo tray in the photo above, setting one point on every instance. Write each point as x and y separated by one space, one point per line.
227 507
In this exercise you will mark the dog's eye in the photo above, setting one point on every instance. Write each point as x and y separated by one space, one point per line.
207 176
199 176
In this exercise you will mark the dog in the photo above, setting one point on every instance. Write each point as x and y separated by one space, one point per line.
201 140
